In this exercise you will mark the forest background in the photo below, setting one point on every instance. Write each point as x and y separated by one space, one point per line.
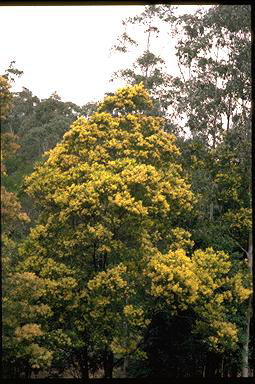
126 223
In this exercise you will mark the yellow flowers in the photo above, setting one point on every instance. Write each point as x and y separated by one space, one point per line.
134 315
240 220
211 267
40 356
28 331
59 337
131 310
128 99
241 293
180 239
200 282
223 334
172 278
110 279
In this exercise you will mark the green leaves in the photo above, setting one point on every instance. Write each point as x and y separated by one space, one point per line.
5 97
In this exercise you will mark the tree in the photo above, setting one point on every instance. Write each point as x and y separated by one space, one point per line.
112 184
88 109
149 67
39 124
5 97
10 206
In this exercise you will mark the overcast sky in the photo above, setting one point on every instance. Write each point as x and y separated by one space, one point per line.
67 48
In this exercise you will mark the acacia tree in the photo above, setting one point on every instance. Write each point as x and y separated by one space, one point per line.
112 183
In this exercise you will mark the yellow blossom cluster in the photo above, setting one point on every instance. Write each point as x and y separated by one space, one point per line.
40 357
203 282
172 278
28 332
127 99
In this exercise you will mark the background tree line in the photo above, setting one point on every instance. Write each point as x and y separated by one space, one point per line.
136 246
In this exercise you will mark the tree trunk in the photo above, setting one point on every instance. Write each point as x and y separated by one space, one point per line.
204 370
125 366
222 366
245 355
250 253
211 211
245 352
229 112
108 364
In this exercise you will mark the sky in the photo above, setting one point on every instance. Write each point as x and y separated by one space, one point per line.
67 49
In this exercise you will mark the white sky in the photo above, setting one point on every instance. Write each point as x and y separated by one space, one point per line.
67 48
